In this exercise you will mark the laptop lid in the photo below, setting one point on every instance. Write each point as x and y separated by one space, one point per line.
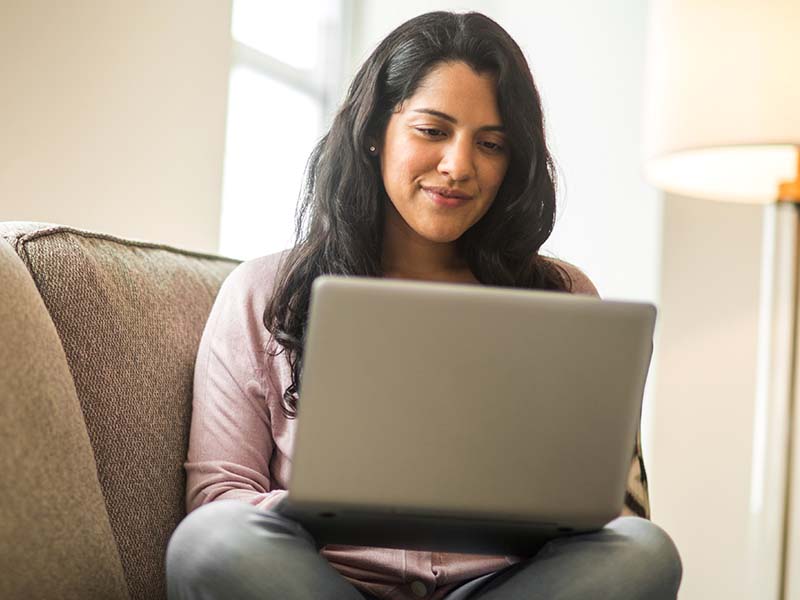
466 402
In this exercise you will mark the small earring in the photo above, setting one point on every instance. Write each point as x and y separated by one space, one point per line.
372 149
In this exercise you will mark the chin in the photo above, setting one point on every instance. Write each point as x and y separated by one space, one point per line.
441 237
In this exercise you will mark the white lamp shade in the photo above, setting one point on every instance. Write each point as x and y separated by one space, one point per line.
722 98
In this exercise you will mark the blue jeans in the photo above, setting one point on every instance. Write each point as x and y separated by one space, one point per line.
230 549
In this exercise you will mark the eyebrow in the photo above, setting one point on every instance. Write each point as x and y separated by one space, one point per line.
452 119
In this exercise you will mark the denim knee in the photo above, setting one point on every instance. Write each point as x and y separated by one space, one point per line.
228 549
654 550
205 542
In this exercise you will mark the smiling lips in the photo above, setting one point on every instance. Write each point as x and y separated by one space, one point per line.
446 196
447 192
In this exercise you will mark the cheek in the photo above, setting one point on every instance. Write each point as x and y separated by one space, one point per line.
494 179
402 168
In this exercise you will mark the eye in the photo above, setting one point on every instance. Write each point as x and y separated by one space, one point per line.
493 146
429 132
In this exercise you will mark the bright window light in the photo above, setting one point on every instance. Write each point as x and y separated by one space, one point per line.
283 30
272 129
286 59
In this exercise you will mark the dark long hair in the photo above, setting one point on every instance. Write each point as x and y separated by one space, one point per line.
340 214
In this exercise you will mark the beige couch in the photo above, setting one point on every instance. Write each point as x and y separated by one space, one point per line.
97 344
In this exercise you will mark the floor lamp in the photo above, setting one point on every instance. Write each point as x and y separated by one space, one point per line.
722 122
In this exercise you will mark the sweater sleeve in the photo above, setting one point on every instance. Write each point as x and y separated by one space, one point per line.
230 441
637 500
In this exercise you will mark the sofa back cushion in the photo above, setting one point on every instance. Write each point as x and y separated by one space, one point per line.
130 316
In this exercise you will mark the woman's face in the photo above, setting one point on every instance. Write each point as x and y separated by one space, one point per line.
447 137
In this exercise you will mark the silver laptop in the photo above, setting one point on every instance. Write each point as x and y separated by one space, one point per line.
464 418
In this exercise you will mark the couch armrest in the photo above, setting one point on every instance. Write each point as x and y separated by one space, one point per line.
55 536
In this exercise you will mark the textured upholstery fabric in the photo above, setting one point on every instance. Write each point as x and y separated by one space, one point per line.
55 536
130 316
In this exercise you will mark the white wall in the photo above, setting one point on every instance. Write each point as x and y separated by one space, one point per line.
706 390
112 116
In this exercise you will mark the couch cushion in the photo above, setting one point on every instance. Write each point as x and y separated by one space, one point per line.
130 316
55 536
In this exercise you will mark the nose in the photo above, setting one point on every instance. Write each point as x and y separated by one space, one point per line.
457 160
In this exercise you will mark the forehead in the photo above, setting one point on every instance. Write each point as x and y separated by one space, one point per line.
456 89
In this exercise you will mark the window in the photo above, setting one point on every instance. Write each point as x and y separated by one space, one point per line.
285 83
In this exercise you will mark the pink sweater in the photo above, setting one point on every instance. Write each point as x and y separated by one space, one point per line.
241 444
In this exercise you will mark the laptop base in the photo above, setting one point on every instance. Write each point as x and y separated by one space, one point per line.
393 529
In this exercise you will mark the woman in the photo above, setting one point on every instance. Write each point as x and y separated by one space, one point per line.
435 168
